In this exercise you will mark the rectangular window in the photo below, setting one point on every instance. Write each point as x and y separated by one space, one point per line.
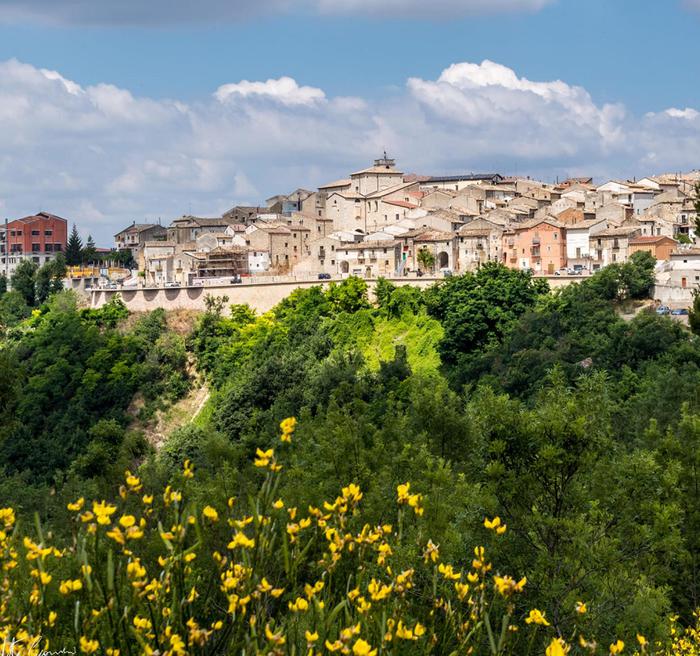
35 233
48 233
48 248
58 248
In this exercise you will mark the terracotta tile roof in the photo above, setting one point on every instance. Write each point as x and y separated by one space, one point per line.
401 203
621 231
337 183
650 239
435 235
368 245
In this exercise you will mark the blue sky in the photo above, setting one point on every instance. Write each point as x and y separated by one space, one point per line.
135 132
635 51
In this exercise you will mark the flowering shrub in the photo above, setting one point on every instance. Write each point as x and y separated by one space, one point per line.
153 574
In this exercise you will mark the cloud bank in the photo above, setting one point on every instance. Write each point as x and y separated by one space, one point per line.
103 157
174 12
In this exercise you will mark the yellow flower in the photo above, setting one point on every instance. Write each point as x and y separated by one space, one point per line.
135 570
88 646
404 632
278 505
362 648
377 591
132 481
147 499
492 524
311 637
127 520
263 457
68 586
142 623
210 513
402 492
51 620
581 608
363 605
536 617
642 640
287 427
299 605
7 517
241 540
432 552
557 648
617 647
506 586
116 535
44 577
103 511
462 590
448 572
76 505
264 586
277 638
187 469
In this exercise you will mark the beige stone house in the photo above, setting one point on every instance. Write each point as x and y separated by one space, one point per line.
478 242
611 245
369 259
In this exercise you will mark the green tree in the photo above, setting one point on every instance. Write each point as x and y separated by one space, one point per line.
694 313
89 253
24 281
3 284
13 309
477 309
49 278
74 248
348 296
426 259
638 274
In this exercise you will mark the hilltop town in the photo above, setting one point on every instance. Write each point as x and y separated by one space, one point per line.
380 221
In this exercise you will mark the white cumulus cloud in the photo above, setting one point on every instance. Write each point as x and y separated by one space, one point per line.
103 157
285 90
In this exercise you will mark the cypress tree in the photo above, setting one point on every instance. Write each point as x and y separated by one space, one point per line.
74 248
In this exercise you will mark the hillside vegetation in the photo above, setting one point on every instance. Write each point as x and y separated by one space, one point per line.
574 433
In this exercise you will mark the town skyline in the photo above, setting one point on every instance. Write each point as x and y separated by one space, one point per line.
112 115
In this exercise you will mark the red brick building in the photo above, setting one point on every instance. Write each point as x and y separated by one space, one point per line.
38 237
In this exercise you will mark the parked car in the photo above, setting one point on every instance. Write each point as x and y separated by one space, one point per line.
573 272
324 276
172 283
680 312
447 273
663 310
236 280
